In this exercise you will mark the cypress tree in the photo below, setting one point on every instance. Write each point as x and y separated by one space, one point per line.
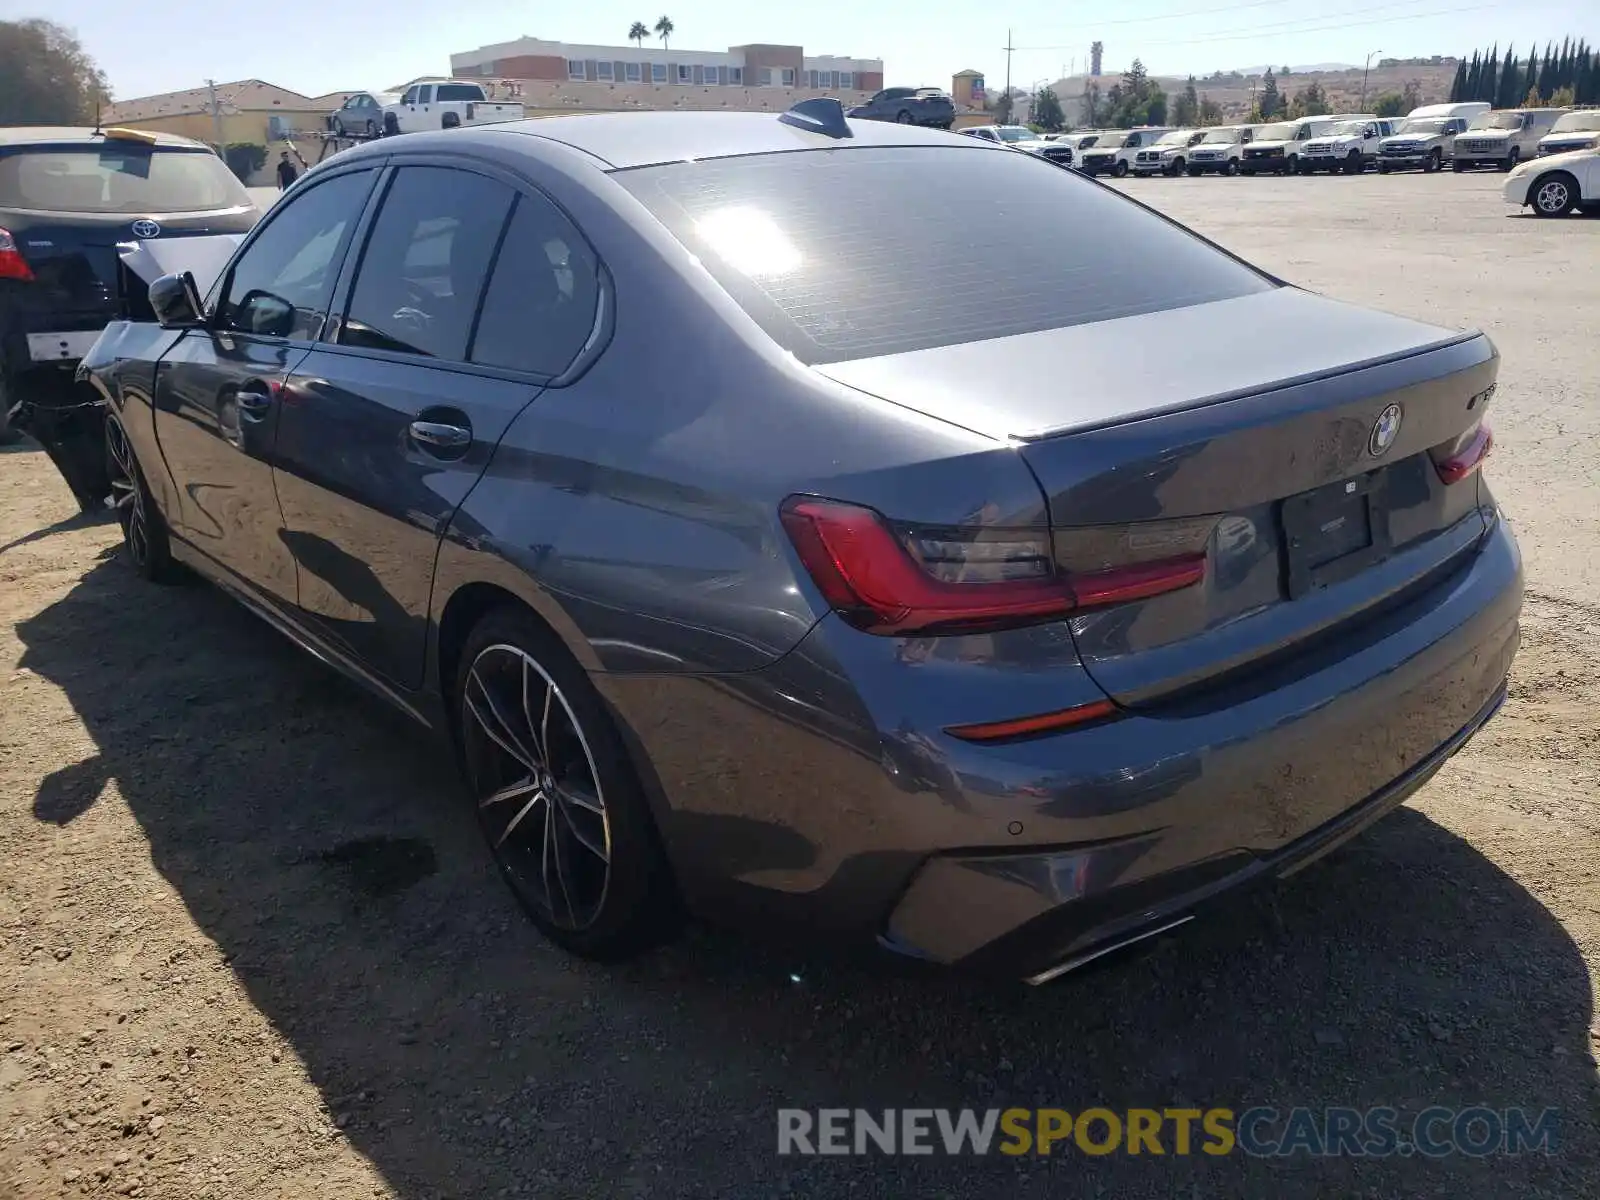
1487 89
1458 86
1507 95
1547 72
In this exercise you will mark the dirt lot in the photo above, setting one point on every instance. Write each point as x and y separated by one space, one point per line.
253 949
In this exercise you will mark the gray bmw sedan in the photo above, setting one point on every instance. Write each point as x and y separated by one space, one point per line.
809 523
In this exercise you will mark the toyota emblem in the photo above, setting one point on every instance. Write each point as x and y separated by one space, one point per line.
1384 431
145 228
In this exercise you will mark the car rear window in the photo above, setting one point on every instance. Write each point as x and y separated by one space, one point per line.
458 91
117 177
853 253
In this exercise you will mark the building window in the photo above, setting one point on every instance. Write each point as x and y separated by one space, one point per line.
603 71
846 79
658 72
736 76
685 74
633 72
764 76
788 77
574 68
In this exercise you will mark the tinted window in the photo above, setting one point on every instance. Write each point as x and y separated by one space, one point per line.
858 252
118 177
458 91
540 308
294 259
896 93
425 262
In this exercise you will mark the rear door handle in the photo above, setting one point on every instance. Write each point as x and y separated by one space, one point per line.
441 440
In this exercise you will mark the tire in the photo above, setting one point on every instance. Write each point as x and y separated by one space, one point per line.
902 117
145 539
338 128
1459 167
1511 160
1353 163
391 125
1295 166
1120 170
1178 166
555 793
1383 168
1195 172
372 130
1553 195
1433 162
1230 167
1247 170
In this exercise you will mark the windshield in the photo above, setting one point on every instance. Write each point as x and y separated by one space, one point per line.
1014 133
1275 133
1178 137
1578 122
1110 141
1221 135
836 256
118 177
1352 128
1496 120
1426 125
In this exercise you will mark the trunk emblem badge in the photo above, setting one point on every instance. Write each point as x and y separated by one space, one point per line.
1384 431
146 228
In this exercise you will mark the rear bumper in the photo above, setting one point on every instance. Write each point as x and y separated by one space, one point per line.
821 793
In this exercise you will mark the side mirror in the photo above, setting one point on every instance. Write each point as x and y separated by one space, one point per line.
176 301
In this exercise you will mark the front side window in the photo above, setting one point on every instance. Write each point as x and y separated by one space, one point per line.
279 286
541 304
425 262
836 254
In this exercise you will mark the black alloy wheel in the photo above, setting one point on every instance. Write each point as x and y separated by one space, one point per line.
144 531
555 794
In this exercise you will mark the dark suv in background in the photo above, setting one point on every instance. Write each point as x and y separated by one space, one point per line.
909 106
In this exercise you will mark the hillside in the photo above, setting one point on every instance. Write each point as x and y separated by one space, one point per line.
1233 90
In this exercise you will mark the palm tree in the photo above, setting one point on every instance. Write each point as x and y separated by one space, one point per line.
664 30
637 32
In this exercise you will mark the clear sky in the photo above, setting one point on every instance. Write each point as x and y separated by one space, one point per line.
316 46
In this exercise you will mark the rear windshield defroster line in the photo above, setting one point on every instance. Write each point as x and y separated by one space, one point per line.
859 252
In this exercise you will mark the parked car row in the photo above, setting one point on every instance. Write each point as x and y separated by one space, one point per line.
437 104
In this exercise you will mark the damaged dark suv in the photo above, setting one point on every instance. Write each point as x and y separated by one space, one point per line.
88 218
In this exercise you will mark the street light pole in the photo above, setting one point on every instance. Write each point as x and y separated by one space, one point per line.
1363 104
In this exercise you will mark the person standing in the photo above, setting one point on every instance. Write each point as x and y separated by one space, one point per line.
286 172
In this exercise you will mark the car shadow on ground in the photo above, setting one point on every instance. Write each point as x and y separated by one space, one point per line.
326 851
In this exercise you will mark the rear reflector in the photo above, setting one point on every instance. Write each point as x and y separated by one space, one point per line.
1466 455
896 580
1050 722
12 264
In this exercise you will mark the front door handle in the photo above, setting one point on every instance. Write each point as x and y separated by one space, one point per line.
441 440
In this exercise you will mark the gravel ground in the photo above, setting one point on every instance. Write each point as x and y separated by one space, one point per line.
254 949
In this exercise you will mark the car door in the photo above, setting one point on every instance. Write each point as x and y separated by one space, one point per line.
394 416
216 391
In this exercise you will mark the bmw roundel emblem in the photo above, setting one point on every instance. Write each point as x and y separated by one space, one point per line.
1384 431
146 228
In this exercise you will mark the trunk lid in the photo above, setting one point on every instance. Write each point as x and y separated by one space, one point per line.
1245 428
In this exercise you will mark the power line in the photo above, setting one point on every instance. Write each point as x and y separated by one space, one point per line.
1256 32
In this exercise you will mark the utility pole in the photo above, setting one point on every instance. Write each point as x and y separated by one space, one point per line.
1008 48
216 113
1362 105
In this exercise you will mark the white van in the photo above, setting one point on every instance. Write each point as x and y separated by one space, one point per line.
1349 146
1220 149
1503 139
1579 130
1169 155
1113 151
1427 139
1276 148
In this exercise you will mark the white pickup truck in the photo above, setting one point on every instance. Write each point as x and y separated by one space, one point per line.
444 105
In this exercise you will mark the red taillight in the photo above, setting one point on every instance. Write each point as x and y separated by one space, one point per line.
1051 722
955 581
12 264
1466 455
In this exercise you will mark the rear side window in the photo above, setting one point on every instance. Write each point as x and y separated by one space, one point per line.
541 304
457 91
425 263
853 253
118 177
